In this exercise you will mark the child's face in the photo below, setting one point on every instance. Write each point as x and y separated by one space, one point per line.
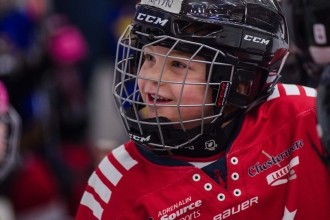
173 80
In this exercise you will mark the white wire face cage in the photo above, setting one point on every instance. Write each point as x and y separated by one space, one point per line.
10 126
168 127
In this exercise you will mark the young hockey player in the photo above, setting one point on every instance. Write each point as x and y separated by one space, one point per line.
213 135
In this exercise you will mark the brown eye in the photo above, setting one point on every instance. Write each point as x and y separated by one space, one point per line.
178 64
148 57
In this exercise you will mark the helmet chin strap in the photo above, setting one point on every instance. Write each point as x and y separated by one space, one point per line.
191 143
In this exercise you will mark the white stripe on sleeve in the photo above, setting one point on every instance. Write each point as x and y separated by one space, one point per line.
109 171
89 201
311 92
291 89
123 157
100 188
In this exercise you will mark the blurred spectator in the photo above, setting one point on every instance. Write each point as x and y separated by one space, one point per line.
9 139
309 62
323 110
56 60
105 126
89 17
309 25
46 89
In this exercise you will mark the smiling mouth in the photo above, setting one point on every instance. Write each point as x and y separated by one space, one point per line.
153 98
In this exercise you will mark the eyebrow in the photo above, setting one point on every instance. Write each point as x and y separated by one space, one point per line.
175 53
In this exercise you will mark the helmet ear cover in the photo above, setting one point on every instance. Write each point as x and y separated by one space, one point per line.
244 91
244 87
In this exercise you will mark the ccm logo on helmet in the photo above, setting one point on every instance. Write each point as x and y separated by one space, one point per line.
151 19
139 138
257 40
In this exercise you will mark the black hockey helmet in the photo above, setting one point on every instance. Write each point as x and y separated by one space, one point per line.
244 42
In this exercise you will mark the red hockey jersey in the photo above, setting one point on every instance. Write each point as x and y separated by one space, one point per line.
274 172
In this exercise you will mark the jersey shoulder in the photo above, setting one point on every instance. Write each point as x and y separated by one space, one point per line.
291 108
293 96
286 102
103 182
123 178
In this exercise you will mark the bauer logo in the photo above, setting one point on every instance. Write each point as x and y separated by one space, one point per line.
237 209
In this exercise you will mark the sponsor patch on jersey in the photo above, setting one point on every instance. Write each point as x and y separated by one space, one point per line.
166 5
258 167
283 175
237 209
184 209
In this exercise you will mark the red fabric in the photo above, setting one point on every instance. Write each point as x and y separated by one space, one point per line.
79 160
280 174
34 186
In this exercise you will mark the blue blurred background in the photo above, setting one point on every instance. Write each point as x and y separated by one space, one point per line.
56 59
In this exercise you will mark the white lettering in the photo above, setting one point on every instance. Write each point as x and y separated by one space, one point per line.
182 211
160 21
257 40
264 41
245 205
140 139
236 209
140 16
175 206
151 19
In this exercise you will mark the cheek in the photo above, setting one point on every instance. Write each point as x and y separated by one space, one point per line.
141 83
195 95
